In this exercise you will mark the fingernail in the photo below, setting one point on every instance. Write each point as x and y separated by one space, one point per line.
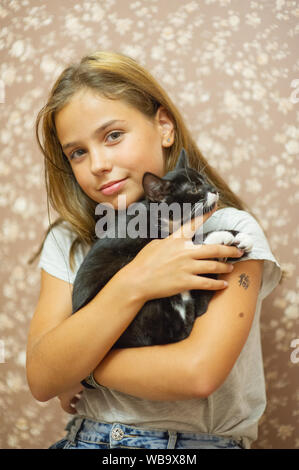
225 283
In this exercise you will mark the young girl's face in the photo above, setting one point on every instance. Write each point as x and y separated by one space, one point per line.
108 140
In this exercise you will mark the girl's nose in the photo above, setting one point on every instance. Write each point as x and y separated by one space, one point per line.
99 162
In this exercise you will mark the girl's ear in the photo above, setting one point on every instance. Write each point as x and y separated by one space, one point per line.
165 127
155 188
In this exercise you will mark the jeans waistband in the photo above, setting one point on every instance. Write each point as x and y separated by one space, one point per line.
123 435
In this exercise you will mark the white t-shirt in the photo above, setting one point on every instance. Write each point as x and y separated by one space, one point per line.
235 408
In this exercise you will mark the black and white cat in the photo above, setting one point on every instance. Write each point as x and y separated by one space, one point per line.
169 319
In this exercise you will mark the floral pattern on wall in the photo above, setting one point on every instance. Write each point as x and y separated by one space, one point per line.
232 68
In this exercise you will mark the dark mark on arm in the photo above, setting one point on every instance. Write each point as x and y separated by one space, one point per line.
244 281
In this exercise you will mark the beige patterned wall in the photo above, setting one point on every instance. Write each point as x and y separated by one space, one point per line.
230 66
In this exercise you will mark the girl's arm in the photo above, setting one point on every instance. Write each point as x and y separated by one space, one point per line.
198 365
63 348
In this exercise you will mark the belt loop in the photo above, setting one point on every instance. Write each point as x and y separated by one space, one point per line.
73 427
172 439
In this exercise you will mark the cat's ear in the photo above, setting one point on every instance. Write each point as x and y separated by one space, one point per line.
183 161
155 188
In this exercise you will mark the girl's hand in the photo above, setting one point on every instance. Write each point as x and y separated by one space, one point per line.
169 266
69 399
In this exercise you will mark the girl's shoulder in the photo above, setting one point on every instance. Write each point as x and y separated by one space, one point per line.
230 218
55 255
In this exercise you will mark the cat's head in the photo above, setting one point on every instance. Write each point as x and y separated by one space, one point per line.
183 184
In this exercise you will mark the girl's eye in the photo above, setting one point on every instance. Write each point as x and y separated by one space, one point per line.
114 136
77 153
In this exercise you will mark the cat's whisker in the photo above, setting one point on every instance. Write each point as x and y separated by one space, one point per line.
202 169
197 210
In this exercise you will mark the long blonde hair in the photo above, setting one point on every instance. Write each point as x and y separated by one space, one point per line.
118 77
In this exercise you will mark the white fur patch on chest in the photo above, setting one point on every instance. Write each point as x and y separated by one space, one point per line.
186 296
181 307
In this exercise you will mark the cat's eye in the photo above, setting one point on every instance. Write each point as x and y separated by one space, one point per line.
194 190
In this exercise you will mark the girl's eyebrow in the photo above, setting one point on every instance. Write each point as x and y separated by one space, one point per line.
97 131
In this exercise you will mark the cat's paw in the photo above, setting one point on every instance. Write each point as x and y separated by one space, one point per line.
221 237
243 241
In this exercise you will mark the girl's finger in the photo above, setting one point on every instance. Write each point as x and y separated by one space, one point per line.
207 283
188 229
211 267
74 400
70 409
216 252
66 406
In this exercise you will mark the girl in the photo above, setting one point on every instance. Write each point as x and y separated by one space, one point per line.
107 120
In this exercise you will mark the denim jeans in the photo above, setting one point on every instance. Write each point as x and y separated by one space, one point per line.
85 433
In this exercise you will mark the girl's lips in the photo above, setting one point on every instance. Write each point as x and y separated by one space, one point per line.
113 188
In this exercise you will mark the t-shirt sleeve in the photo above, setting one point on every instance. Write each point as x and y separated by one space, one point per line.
54 257
242 221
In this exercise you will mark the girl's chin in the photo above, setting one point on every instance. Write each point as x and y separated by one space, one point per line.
123 201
